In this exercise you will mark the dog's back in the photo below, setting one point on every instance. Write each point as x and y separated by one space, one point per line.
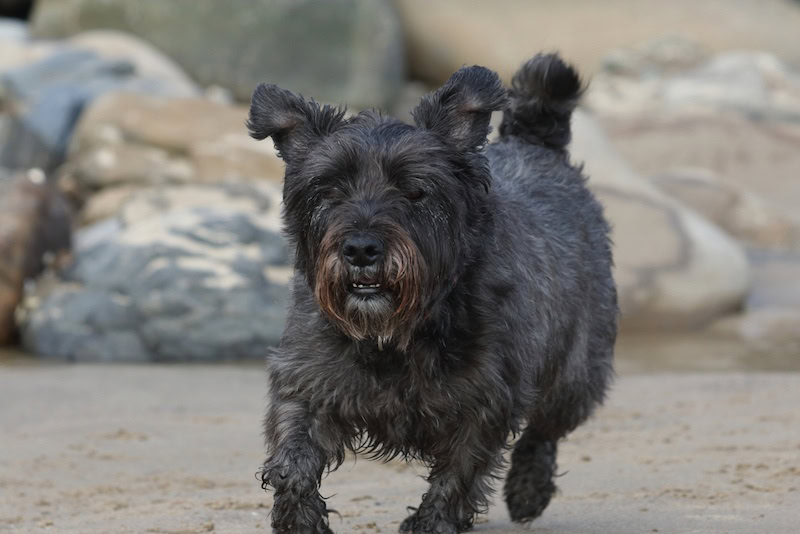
543 202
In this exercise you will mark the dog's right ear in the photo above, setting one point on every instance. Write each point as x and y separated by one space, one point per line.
293 122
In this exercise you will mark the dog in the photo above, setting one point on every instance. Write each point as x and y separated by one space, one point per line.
449 294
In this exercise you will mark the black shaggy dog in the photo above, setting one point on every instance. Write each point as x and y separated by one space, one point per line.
448 295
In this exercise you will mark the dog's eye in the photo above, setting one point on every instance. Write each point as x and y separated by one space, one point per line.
415 195
329 194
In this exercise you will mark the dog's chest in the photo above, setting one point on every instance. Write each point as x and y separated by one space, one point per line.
402 412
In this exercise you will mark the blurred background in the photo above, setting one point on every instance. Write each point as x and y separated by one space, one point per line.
130 115
140 223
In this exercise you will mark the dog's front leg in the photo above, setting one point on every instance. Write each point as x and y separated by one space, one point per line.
294 469
459 485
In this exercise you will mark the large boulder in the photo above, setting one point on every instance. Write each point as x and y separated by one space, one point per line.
34 221
339 51
735 114
755 85
45 87
768 328
128 141
446 34
742 213
182 273
147 61
674 269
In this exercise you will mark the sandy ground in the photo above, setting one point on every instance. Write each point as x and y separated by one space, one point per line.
174 449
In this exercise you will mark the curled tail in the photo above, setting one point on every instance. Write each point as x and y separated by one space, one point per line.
543 93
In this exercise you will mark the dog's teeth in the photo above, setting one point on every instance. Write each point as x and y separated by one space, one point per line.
366 286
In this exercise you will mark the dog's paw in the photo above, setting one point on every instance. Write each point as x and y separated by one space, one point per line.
527 502
302 530
413 525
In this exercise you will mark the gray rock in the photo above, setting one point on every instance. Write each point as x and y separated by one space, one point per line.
149 62
12 29
16 53
47 95
775 280
100 327
350 50
46 103
183 273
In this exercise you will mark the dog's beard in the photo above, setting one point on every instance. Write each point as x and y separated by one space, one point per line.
388 316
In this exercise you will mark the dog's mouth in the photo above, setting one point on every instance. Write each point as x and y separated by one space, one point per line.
365 287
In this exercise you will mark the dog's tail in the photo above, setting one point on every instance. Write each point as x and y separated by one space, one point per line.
543 94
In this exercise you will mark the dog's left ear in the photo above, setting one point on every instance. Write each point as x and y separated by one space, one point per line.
293 122
460 110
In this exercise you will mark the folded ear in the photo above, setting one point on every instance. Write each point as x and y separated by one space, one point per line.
293 122
460 110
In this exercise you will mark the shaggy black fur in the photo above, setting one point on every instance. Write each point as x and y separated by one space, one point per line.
447 294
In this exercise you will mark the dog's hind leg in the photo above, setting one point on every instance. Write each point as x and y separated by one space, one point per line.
529 483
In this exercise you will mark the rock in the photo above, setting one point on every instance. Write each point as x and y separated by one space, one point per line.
775 279
767 331
106 203
47 96
674 269
148 62
15 52
754 84
739 212
663 55
446 34
34 221
138 140
12 30
44 113
350 50
123 164
194 272
737 115
762 157
21 148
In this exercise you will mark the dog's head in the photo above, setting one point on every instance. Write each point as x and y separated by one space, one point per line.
384 216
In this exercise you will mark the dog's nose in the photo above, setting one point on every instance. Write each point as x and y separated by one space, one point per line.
362 250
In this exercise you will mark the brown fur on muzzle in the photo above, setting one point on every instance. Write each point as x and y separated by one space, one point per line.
402 272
